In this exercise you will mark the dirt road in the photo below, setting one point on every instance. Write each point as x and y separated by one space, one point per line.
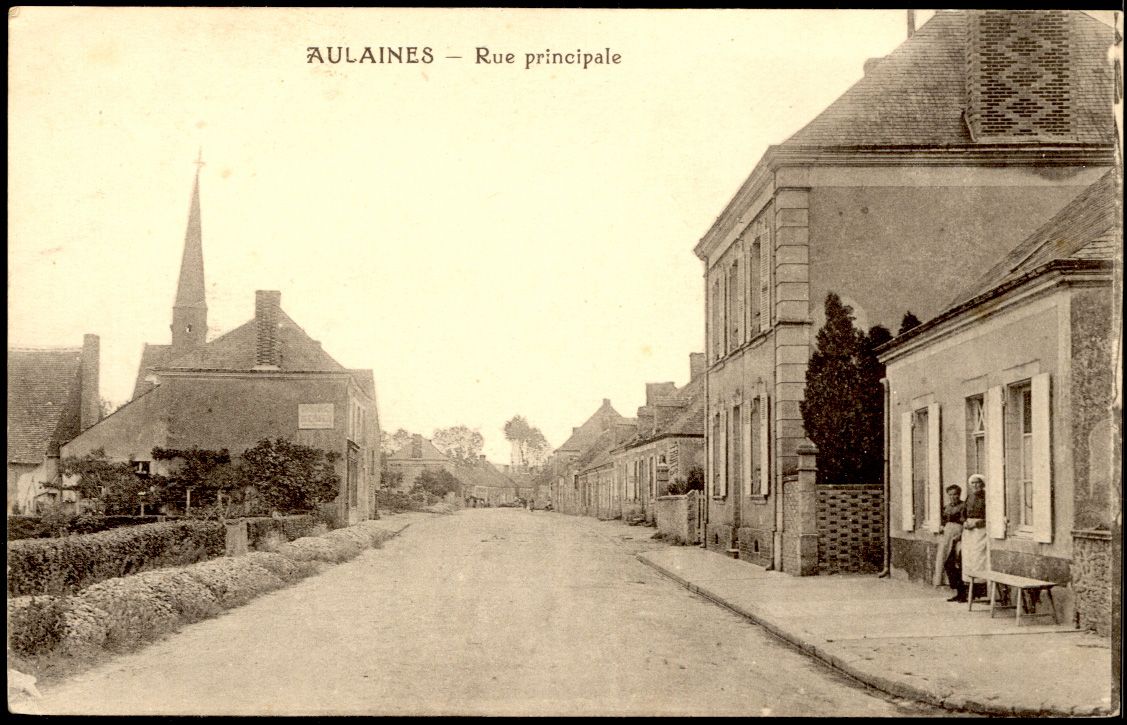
487 611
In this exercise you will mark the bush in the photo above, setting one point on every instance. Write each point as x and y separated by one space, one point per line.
136 612
320 549
35 527
191 600
35 624
285 569
234 580
65 565
392 501
266 532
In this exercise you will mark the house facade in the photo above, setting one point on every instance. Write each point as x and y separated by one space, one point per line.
1016 382
416 457
926 171
264 379
53 395
563 472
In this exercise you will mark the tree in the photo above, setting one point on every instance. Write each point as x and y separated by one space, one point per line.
458 442
843 407
203 473
290 477
391 443
529 445
693 481
97 477
437 483
908 322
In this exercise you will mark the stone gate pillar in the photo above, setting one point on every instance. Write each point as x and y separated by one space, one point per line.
807 510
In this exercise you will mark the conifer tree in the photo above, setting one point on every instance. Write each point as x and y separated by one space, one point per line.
908 322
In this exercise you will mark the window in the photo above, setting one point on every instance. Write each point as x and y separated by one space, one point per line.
976 437
735 449
755 285
141 468
919 465
717 328
717 454
754 459
735 305
1019 455
653 478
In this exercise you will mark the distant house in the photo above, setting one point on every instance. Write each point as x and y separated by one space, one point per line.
949 151
565 494
52 397
266 378
485 483
417 456
668 442
1016 381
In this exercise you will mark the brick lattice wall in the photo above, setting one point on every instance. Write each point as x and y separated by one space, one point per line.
850 529
1020 84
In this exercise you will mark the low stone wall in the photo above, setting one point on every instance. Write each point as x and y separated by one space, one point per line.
757 546
850 529
1091 579
718 537
677 517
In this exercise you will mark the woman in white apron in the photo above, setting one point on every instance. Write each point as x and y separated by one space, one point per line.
974 541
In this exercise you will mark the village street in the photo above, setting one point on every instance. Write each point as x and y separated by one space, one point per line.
486 611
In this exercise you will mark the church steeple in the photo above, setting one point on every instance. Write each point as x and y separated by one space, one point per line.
189 312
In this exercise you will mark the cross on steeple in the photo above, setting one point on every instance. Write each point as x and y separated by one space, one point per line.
199 160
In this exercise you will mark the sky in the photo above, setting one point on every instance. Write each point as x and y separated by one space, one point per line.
489 239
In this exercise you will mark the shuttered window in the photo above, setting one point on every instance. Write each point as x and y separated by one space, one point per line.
934 469
1042 444
764 445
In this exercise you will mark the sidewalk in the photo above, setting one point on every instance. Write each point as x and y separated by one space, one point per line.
905 639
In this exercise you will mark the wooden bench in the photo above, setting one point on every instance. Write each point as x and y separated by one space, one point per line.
1020 583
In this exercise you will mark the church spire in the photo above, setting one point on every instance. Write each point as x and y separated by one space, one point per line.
189 312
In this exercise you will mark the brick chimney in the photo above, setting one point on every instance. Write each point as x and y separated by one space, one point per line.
90 411
645 421
1019 76
622 431
267 314
696 364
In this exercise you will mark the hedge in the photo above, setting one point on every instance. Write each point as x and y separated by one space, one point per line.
263 532
120 612
34 527
65 565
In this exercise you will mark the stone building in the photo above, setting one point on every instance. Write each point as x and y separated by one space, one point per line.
417 456
947 153
1015 381
565 495
264 379
52 397
485 483
667 443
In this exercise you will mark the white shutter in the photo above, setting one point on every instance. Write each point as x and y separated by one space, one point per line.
995 464
765 280
934 473
907 517
764 446
1042 460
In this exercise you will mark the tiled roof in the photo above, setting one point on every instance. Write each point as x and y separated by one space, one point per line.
598 453
586 434
482 473
152 356
236 350
916 95
691 419
43 401
428 450
1086 228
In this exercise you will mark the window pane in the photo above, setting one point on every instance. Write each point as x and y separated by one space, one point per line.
1027 410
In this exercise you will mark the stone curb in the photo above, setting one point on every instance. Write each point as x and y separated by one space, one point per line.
956 703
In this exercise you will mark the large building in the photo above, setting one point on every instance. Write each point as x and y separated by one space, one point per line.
940 160
417 456
265 379
52 397
1016 381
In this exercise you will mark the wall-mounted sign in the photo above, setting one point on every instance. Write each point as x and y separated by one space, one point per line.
314 415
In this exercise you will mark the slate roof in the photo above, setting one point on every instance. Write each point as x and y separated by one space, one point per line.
190 287
598 453
236 350
1088 227
44 387
916 95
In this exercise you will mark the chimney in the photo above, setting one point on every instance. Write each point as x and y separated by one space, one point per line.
696 364
622 432
267 308
90 411
911 23
655 392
